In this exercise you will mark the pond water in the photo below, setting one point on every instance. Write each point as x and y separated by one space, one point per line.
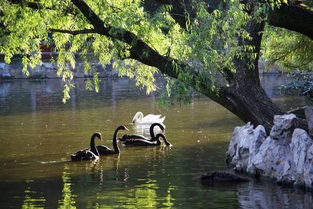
38 133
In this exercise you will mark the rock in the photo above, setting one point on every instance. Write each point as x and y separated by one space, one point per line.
5 75
299 145
222 177
274 160
283 126
286 155
299 112
238 149
4 71
244 142
232 147
255 144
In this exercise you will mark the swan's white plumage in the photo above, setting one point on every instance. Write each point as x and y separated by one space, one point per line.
140 119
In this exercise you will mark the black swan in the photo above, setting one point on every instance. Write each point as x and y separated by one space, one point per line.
127 137
143 142
104 150
88 154
222 177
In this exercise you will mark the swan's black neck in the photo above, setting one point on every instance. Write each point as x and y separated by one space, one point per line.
153 137
115 147
165 141
158 142
93 147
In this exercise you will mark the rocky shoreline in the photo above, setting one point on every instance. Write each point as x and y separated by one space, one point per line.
286 155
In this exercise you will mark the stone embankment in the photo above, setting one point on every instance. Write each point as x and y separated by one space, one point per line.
286 155
49 70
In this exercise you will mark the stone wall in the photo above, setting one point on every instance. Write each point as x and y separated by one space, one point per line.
286 155
48 70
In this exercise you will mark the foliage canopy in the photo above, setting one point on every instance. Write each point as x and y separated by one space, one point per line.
210 41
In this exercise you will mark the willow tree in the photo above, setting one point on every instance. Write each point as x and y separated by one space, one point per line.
210 45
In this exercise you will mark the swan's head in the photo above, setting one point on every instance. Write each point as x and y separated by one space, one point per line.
122 128
138 116
164 139
97 135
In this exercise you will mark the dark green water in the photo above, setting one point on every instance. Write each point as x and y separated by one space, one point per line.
38 133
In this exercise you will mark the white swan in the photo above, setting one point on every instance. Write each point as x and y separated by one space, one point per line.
139 119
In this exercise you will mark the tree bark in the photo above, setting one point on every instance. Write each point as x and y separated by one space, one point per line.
246 97
293 17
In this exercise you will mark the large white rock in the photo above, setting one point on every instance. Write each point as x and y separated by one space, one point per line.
286 155
245 141
274 159
255 144
300 144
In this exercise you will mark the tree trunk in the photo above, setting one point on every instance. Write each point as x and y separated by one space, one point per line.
245 97
251 104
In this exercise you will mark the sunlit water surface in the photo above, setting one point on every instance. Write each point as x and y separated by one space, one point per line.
38 133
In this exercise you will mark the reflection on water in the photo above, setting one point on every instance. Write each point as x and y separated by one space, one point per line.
68 199
38 133
255 195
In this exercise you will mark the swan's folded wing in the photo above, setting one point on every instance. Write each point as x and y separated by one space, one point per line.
102 148
152 117
85 154
126 137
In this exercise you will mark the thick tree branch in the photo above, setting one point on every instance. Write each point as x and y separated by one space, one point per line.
292 17
75 32
139 49
144 53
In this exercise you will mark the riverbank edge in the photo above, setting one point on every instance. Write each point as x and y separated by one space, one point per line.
285 156
48 70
